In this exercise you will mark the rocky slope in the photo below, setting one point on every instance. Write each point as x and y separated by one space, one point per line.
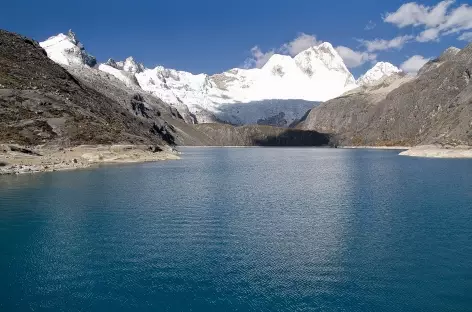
435 107
447 55
283 89
41 102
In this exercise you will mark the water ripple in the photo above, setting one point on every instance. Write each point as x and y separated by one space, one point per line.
241 230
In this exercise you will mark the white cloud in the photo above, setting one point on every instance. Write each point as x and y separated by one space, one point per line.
370 25
413 14
299 44
382 44
414 64
458 20
258 58
467 36
439 20
353 58
428 35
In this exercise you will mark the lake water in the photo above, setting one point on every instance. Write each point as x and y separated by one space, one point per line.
253 229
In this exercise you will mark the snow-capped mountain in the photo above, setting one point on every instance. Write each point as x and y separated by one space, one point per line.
379 71
284 86
317 74
67 50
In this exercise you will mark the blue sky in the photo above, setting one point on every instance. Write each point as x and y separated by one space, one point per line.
212 36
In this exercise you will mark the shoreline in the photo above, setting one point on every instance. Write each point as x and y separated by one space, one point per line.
377 147
425 151
434 151
249 146
15 159
422 151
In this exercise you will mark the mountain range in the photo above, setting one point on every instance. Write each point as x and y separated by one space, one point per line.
46 104
278 94
56 93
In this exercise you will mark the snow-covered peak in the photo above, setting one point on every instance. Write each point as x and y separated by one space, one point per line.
326 54
278 59
67 50
129 65
379 71
318 60
280 65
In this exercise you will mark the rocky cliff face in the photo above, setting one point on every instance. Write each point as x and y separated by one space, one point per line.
433 108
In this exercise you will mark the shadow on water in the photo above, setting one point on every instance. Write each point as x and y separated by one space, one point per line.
293 137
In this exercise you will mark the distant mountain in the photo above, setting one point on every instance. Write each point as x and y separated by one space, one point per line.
296 84
376 73
435 107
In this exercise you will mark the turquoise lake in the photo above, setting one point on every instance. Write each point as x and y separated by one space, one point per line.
241 229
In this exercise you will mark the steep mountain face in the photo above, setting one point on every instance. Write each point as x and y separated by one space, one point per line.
286 84
380 71
434 107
